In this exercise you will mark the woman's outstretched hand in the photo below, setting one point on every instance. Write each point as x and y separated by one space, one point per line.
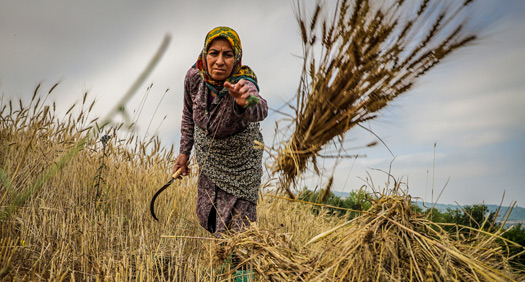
182 163
239 91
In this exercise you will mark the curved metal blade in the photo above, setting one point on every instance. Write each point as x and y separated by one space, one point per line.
152 203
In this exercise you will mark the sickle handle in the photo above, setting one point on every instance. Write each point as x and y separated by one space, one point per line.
177 173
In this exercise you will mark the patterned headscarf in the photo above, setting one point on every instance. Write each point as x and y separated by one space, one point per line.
238 72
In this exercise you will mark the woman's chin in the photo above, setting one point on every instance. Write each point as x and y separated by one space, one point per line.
219 77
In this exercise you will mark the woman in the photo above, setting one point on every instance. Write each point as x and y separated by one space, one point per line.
220 119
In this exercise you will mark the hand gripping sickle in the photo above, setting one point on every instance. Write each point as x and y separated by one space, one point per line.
152 203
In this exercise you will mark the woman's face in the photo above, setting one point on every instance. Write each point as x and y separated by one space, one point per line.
220 59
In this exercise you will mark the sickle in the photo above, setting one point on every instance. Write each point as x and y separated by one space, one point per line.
152 203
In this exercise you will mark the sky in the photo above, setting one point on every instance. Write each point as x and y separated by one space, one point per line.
459 133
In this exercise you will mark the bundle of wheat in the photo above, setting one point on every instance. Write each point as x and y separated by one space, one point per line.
370 53
389 242
270 254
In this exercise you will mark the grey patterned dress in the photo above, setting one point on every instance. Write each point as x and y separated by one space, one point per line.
222 133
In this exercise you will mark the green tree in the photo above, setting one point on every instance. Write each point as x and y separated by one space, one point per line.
475 216
351 205
479 216
516 234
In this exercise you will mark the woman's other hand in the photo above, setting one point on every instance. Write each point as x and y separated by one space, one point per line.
239 91
182 163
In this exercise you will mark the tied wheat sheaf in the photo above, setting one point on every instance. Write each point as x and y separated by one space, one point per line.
389 242
356 62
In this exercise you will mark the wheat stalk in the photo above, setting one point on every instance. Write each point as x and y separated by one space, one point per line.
368 54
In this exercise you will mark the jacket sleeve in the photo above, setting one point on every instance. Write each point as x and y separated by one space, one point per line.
187 124
256 112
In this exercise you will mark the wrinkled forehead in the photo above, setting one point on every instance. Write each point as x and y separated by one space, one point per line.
226 33
217 42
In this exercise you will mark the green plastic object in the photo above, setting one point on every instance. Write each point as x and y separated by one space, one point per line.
244 275
252 100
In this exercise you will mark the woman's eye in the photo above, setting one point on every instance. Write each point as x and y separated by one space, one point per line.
228 55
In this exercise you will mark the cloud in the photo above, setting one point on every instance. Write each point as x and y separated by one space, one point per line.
471 121
474 99
471 105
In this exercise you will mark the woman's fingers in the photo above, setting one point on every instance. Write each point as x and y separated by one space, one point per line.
182 163
230 87
244 90
184 170
237 89
241 86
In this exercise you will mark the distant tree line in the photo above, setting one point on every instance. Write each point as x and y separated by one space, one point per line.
476 216
348 206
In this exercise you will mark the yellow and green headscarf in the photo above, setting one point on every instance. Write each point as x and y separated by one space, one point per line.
238 72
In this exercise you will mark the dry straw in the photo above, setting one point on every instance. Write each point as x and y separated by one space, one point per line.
69 230
271 255
389 242
356 62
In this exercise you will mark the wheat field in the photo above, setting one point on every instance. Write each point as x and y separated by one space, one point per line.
88 219
75 207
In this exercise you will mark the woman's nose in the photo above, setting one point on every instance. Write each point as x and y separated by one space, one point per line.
220 60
